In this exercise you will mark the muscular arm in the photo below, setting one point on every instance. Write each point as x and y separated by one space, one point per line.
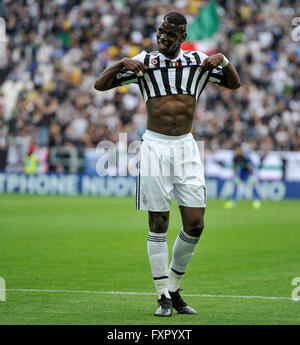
105 81
231 79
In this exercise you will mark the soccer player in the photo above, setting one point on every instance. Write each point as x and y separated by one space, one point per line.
171 81
244 171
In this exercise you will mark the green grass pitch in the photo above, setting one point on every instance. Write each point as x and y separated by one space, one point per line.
61 256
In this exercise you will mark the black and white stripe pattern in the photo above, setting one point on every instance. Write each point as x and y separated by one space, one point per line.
187 238
183 75
157 238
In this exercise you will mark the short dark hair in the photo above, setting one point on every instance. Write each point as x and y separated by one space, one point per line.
177 19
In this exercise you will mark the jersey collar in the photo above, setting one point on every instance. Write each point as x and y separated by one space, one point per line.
180 55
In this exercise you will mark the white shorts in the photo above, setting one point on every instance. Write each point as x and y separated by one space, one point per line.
169 166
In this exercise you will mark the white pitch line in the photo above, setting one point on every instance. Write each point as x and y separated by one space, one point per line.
146 294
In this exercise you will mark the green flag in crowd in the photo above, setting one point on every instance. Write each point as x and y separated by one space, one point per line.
205 25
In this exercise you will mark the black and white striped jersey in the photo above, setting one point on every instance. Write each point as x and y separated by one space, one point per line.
182 75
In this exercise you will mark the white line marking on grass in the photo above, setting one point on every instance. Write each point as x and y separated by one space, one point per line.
146 294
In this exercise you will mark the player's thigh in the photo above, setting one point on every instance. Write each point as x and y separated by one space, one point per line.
154 189
158 221
192 220
154 193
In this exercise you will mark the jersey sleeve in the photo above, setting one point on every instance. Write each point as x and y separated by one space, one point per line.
216 76
125 77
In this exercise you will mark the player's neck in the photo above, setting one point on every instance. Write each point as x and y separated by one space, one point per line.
172 55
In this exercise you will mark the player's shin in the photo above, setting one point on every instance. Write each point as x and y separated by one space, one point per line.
159 258
183 251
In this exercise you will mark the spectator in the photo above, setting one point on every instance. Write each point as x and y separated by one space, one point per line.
55 50
30 160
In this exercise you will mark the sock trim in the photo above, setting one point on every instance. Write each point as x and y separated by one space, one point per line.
188 238
162 277
179 273
153 237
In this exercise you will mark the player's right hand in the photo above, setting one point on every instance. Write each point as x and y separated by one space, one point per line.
134 66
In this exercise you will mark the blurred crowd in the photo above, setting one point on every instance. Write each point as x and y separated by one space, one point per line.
57 48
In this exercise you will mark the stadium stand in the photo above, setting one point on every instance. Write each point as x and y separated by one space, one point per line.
56 49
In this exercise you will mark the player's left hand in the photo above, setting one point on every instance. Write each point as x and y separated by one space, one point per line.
212 62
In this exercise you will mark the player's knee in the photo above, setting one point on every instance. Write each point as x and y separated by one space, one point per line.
158 223
195 228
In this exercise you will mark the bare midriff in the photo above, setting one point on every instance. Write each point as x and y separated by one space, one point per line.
171 115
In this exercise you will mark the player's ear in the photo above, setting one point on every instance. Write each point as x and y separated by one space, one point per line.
183 37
